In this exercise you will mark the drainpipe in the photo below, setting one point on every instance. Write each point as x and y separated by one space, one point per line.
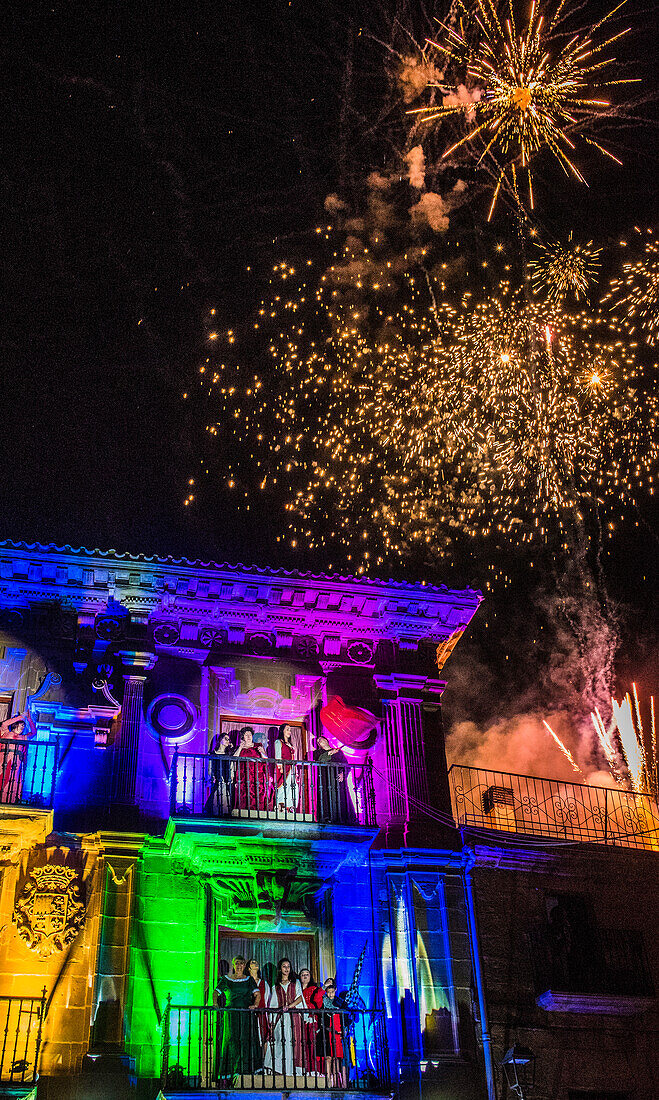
469 860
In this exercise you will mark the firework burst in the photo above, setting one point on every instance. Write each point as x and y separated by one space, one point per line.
634 295
561 270
394 429
523 89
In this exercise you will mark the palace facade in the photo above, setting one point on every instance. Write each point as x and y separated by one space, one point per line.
213 762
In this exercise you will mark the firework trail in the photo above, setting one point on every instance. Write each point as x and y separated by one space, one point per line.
523 89
607 745
631 741
564 749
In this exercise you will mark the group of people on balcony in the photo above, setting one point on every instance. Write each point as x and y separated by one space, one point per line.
243 777
294 1029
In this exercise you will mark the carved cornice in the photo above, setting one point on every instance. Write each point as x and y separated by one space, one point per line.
408 687
234 598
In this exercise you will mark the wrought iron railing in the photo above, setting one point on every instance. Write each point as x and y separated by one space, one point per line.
273 1049
27 772
551 808
603 961
21 1021
265 788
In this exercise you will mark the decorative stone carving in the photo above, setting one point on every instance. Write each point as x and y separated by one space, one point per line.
166 633
306 648
111 622
210 636
360 653
49 910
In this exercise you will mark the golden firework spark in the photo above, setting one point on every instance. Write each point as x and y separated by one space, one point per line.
389 429
563 269
634 295
522 90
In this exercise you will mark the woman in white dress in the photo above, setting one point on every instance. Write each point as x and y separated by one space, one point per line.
284 1046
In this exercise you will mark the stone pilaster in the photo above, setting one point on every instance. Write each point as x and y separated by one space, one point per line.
415 757
127 745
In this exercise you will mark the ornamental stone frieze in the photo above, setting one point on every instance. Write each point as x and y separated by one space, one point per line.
205 605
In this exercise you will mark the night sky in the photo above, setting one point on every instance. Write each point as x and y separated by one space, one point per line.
156 152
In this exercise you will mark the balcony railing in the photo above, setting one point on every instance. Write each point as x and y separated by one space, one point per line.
609 962
21 1020
552 808
27 772
269 789
269 1049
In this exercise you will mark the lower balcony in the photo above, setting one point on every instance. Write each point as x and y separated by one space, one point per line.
21 1020
222 1050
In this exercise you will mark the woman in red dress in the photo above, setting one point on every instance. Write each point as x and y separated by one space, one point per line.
251 780
313 998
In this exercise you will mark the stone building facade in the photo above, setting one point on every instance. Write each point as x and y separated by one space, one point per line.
138 859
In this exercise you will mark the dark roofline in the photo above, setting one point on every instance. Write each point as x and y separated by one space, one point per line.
264 571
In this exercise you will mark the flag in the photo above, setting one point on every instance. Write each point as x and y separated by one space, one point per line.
352 726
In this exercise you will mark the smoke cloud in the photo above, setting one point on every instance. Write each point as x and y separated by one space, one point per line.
416 163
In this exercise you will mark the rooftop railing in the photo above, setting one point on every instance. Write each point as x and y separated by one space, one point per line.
261 1049
27 772
268 789
551 808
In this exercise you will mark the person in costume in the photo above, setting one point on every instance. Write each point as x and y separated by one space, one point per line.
332 799
250 790
284 1047
219 800
329 1040
14 732
238 1048
287 792
313 999
264 995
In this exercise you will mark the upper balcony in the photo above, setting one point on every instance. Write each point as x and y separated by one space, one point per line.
266 789
28 771
552 808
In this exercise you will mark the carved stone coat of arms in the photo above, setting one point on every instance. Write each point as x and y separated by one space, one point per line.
49 911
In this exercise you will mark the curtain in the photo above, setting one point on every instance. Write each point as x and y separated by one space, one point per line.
268 952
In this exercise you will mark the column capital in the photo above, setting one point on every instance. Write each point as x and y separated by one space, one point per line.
404 685
136 661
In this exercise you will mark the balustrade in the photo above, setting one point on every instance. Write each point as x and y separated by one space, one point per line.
27 771
273 1049
21 1020
299 790
552 808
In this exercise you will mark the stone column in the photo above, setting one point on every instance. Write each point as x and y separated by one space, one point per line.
127 744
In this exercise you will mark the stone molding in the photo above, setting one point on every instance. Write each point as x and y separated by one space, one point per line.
234 597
